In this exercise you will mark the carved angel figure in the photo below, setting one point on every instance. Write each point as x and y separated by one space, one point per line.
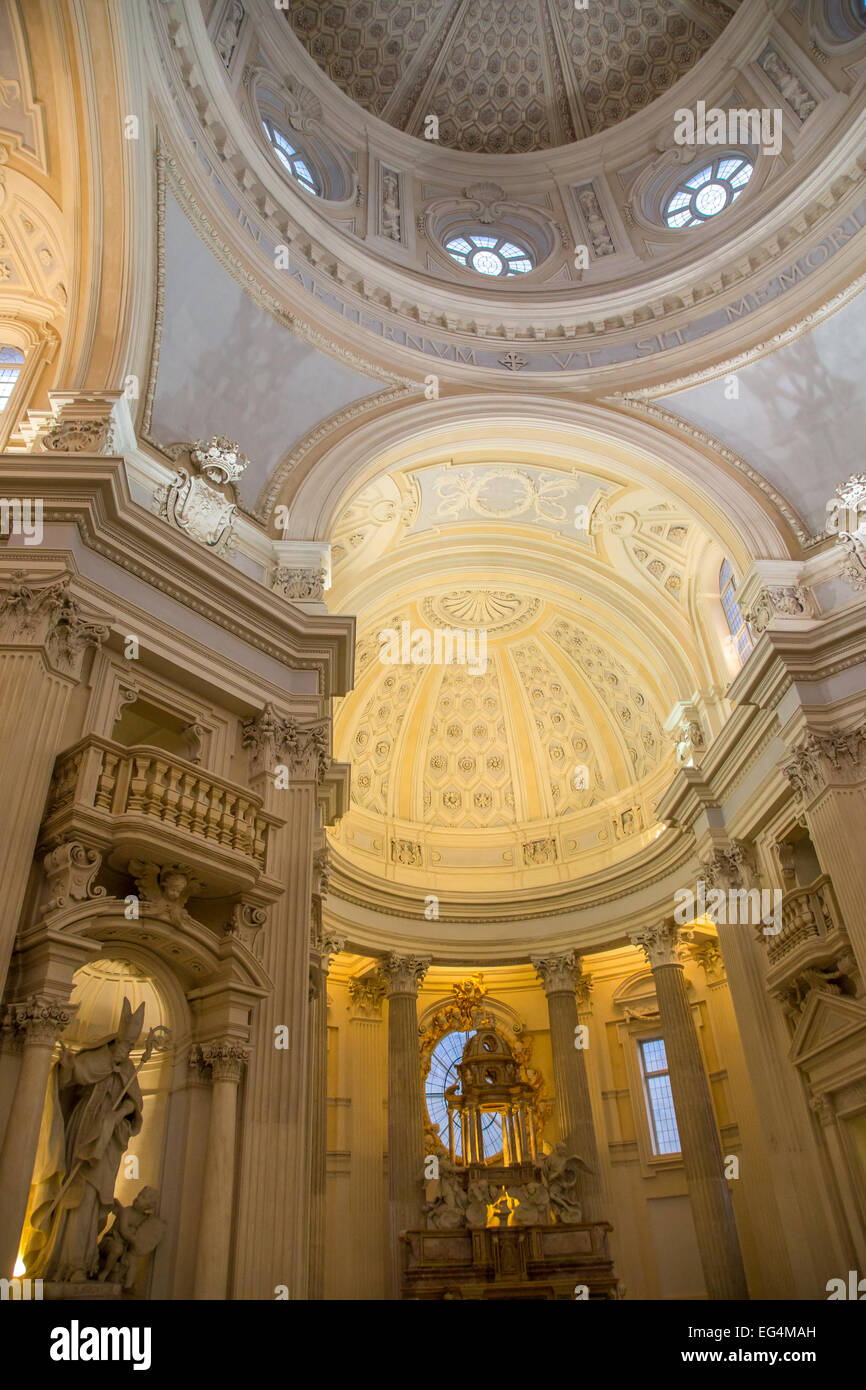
135 1231
533 1205
448 1211
560 1173
164 890
479 1196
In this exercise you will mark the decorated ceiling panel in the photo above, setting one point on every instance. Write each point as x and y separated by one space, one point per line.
506 76
520 629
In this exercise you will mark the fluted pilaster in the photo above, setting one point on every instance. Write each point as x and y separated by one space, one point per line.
715 1227
561 975
369 1087
44 638
226 1060
286 762
37 1024
403 975
328 944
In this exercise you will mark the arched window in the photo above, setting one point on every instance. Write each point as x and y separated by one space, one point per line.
707 192
446 1054
11 362
296 164
490 253
742 634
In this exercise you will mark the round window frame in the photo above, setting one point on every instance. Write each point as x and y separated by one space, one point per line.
503 237
269 124
680 185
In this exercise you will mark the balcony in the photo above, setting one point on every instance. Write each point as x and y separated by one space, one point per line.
813 933
144 803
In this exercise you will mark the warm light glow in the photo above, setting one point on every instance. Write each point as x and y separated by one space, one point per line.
19 1268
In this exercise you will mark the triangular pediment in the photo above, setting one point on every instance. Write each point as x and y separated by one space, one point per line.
826 1021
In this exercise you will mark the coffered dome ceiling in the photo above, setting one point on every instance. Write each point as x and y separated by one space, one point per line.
538 756
506 76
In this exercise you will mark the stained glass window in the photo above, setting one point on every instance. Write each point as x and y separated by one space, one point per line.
295 163
443 1072
659 1097
741 632
492 255
708 192
11 361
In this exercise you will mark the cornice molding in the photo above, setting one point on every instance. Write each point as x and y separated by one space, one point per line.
463 319
96 499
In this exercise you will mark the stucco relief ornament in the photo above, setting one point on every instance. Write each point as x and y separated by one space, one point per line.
824 759
785 600
70 869
203 503
303 106
688 741
298 584
846 519
164 891
488 201
247 924
74 435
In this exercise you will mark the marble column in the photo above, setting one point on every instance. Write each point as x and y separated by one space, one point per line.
828 772
226 1061
561 974
713 1213
37 1022
287 764
369 1087
45 636
323 947
403 974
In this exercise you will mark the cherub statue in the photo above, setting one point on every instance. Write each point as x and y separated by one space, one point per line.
533 1205
448 1211
560 1173
164 890
479 1197
135 1231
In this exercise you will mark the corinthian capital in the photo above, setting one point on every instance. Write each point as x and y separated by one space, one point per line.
276 742
226 1060
36 612
367 993
38 1020
660 943
728 867
558 973
403 974
820 760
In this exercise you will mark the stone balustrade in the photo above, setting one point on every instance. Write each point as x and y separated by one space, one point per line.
809 914
142 798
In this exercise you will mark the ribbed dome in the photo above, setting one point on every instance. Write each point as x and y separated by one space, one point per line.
522 639
556 723
506 77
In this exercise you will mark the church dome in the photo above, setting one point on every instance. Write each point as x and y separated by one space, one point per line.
505 78
522 639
